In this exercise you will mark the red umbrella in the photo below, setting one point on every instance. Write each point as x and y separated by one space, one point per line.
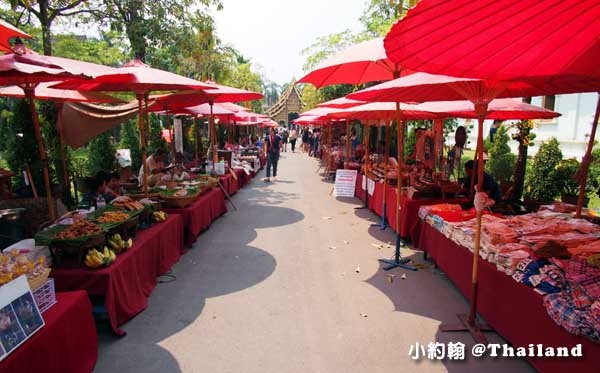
499 39
141 80
233 107
248 118
383 111
269 124
340 103
7 32
427 87
498 109
550 41
307 120
360 63
16 69
43 92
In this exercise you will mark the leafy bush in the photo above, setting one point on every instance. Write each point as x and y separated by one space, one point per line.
564 176
101 154
501 162
130 140
541 181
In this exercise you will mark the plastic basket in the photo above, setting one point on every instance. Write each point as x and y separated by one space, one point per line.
45 296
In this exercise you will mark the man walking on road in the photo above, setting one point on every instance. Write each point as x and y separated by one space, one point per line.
273 145
293 138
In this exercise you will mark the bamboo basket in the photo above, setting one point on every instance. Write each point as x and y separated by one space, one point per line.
39 280
180 202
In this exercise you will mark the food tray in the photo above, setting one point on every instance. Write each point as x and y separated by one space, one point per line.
180 202
39 280
44 295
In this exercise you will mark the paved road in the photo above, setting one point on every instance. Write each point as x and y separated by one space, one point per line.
274 287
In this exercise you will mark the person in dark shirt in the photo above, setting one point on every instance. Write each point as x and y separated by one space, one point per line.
490 186
94 197
273 145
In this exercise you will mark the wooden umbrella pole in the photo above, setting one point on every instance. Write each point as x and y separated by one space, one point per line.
213 136
196 139
63 153
587 159
29 93
140 98
347 152
400 146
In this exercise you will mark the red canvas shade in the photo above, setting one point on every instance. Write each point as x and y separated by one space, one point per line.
44 92
7 32
340 103
360 63
499 109
499 39
383 111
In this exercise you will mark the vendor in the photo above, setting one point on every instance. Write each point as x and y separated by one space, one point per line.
490 186
94 197
104 178
155 163
178 171
114 188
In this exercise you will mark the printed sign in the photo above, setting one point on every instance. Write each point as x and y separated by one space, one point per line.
364 182
20 317
371 186
345 183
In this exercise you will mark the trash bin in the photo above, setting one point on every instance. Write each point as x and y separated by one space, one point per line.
12 227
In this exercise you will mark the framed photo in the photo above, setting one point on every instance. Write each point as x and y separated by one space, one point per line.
20 317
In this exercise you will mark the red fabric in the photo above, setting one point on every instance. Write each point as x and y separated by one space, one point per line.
129 281
68 343
376 200
500 109
7 32
513 309
340 103
359 192
263 160
199 215
385 111
360 63
480 39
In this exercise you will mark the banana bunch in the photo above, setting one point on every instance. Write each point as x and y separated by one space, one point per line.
118 244
159 216
95 258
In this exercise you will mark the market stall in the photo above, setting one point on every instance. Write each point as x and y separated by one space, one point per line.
517 311
67 343
127 283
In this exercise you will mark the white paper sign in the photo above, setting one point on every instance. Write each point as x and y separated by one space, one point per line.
364 182
345 183
371 186
20 317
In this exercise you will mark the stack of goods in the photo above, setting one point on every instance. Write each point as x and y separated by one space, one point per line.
550 251
14 264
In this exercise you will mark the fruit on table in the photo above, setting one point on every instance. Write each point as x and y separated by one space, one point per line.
118 244
159 216
95 258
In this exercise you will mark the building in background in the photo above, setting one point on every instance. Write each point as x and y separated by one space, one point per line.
287 107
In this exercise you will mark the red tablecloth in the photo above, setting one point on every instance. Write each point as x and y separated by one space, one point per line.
263 160
514 310
199 215
129 281
66 344
359 192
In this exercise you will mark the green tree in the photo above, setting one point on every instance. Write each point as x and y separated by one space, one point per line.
540 183
156 140
501 161
524 136
130 140
102 153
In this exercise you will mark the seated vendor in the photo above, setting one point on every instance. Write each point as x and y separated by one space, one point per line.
156 166
114 188
94 197
490 186
177 171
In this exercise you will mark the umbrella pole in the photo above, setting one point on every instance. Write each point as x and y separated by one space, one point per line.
29 93
213 136
587 159
398 261
140 97
347 152
196 139
388 135
469 322
366 139
63 155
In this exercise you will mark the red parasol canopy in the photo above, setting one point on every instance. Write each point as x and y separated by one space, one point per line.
269 124
499 109
249 118
360 63
233 107
307 120
7 32
44 92
383 111
341 103
500 39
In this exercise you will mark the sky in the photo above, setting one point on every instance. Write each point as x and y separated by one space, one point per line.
271 33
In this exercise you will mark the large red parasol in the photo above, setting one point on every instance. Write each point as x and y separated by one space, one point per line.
551 41
360 63
498 109
7 32
142 79
340 103
499 39
21 70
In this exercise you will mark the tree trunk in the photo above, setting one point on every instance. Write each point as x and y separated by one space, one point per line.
519 175
46 24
